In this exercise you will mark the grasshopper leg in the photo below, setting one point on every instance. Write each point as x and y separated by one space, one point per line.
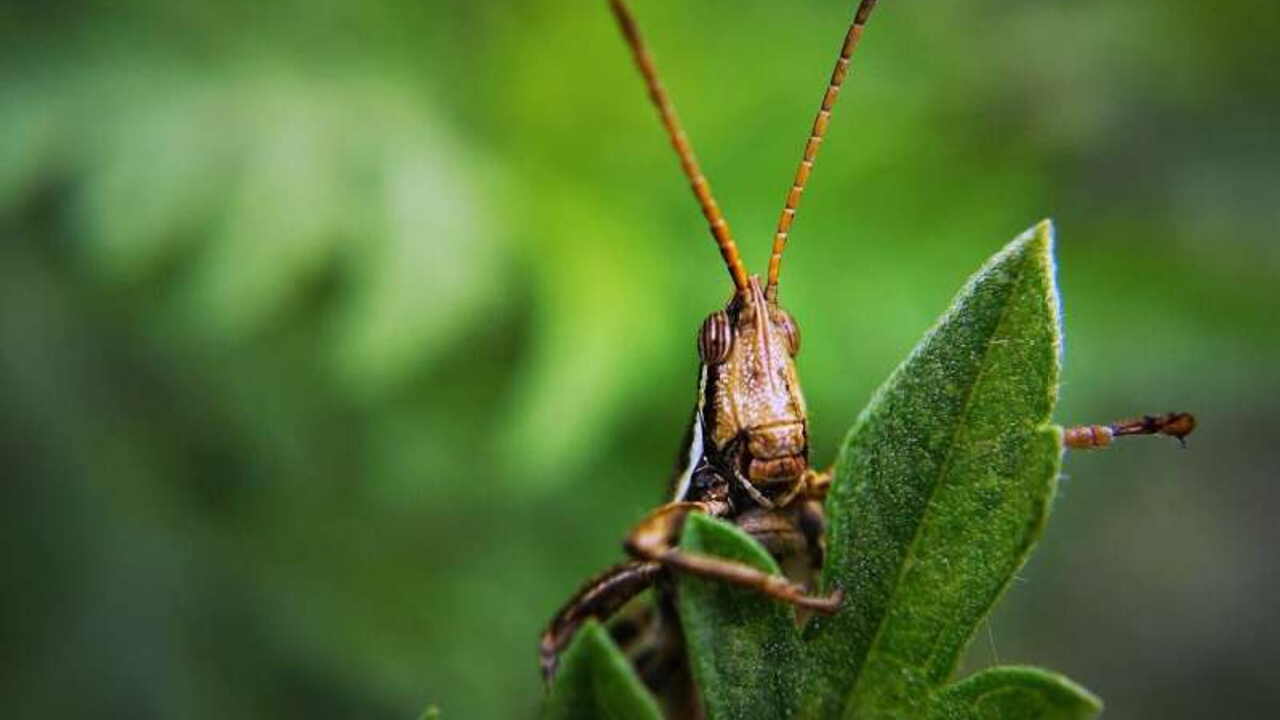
1090 437
654 539
816 484
600 598
813 525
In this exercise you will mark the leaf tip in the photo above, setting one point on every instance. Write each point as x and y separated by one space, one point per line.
596 679
1040 240
708 535
1044 228
1037 243
1017 692
1075 700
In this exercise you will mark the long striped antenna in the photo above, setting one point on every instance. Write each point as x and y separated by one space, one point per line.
811 145
701 188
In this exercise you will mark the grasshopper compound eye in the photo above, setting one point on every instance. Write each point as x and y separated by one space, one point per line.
715 339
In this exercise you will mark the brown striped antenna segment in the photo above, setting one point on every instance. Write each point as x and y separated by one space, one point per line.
689 163
851 39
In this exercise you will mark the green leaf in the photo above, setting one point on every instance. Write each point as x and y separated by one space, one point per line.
743 647
596 681
940 490
1015 693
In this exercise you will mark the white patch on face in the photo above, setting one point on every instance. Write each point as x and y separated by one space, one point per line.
695 442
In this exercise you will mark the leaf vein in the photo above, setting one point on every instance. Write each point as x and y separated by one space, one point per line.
944 470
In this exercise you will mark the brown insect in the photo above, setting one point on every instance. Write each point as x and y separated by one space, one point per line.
746 455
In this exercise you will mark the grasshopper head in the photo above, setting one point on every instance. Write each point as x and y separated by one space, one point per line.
754 411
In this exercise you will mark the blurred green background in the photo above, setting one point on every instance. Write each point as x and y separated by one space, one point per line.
340 341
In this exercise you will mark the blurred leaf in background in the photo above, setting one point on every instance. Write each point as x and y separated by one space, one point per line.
339 341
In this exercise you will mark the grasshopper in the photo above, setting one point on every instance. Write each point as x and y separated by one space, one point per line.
746 455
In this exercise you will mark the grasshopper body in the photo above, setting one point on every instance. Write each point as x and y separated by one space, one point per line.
746 457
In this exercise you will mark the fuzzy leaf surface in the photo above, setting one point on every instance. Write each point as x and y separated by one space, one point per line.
743 647
941 489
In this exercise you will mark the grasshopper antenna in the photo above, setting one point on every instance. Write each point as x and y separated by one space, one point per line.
851 39
689 163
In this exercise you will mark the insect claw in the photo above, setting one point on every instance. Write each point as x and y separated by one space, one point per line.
1177 425
548 657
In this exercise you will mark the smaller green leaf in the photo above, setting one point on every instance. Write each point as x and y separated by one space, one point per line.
1015 693
743 647
596 681
431 713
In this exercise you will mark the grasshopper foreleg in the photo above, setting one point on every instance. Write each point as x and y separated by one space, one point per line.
654 539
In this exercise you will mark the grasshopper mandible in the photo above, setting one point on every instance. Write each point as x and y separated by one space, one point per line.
746 455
